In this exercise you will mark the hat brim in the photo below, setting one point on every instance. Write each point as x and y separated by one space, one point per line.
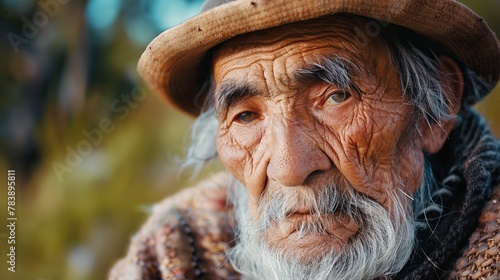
172 65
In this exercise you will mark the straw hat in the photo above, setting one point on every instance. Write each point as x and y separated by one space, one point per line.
172 63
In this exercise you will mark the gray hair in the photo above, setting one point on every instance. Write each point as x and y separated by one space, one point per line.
417 62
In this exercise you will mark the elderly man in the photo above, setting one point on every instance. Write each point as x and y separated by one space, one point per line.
347 133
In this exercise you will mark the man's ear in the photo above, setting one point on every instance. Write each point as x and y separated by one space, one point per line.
452 81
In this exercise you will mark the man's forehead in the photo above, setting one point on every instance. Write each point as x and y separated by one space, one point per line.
340 27
308 42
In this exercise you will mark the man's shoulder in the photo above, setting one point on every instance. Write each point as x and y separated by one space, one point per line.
207 196
185 236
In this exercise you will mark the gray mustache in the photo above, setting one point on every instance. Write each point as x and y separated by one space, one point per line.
318 201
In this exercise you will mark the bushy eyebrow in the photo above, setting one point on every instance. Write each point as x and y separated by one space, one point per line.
231 93
336 71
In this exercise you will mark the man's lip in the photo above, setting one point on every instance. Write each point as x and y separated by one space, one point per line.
303 211
299 214
338 224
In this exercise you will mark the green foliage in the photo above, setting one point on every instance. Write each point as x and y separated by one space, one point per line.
76 213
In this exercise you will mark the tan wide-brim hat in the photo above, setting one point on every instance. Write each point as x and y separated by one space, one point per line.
172 63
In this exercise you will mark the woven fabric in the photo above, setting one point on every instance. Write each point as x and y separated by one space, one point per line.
481 259
185 238
174 63
188 233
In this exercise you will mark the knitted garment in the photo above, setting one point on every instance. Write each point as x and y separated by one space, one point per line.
188 233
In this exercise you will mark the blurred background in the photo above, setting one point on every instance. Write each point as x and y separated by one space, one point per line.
91 146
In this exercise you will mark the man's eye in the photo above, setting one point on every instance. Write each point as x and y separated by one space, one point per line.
247 117
339 96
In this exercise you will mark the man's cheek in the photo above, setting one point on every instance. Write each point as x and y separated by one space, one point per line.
233 157
348 146
359 155
412 167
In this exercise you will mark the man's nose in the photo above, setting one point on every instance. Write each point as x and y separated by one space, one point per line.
295 156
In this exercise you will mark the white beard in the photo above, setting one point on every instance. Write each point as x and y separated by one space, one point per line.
381 246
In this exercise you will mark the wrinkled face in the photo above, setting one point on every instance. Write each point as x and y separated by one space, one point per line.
305 108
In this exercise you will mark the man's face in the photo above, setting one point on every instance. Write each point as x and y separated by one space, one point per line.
304 108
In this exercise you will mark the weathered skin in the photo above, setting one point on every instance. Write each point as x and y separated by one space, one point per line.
291 134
